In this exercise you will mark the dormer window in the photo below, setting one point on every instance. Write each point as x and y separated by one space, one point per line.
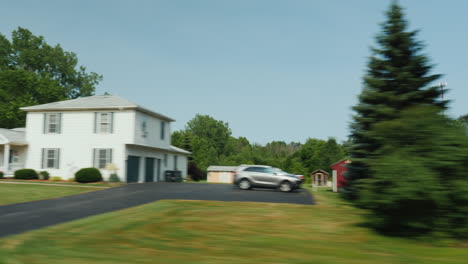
104 122
52 123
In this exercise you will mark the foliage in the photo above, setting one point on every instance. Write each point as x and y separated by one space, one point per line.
33 72
420 177
26 174
195 173
398 77
56 178
71 180
1 174
114 177
86 175
208 150
44 175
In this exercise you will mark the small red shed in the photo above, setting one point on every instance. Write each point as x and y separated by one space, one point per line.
339 168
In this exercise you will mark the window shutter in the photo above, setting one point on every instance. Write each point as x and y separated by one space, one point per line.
95 122
95 155
44 128
59 123
112 122
57 156
43 158
110 155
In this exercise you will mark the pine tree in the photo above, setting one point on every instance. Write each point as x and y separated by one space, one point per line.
398 77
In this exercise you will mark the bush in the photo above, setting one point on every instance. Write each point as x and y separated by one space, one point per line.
114 177
195 173
71 180
26 174
1 174
86 175
56 178
44 175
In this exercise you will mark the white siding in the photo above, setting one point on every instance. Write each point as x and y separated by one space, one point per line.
152 135
77 141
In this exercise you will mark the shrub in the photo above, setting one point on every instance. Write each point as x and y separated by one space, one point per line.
1 174
88 175
26 174
44 175
56 178
71 180
195 173
114 177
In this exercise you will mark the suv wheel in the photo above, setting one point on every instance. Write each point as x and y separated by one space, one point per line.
285 186
244 184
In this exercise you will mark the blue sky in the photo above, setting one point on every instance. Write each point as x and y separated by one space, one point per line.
274 70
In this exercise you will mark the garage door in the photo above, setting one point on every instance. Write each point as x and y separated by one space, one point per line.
149 170
133 168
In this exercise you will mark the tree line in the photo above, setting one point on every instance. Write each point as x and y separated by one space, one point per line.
212 143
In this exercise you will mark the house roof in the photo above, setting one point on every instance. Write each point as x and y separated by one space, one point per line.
12 136
222 168
319 170
179 150
96 102
343 160
171 149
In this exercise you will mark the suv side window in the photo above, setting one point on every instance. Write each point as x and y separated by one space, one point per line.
253 169
266 170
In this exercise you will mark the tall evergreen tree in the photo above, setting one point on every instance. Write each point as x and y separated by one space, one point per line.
398 77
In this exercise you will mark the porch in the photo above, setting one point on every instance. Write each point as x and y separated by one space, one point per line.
13 149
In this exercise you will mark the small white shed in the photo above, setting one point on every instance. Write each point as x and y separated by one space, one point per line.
221 174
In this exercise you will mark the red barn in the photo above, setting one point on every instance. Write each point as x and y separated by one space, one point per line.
339 168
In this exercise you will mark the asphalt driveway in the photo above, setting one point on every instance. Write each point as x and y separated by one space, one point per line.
18 218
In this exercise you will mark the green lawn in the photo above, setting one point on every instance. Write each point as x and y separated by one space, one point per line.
223 232
99 184
17 193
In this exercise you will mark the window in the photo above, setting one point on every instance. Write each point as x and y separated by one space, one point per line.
50 158
52 123
165 160
163 129
175 162
103 122
102 157
253 169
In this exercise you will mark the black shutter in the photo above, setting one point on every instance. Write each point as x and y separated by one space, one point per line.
95 122
43 158
110 156
59 123
112 122
94 158
44 128
57 164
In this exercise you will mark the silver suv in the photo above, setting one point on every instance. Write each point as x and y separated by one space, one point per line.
248 176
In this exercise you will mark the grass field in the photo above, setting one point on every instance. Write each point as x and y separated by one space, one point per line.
17 193
223 232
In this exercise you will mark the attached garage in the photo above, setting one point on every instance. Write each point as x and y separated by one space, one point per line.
221 174
133 169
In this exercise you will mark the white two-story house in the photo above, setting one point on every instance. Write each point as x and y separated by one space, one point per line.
95 131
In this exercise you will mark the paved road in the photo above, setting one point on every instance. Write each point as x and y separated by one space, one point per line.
18 218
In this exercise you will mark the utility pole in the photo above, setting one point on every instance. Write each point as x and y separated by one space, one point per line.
442 86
